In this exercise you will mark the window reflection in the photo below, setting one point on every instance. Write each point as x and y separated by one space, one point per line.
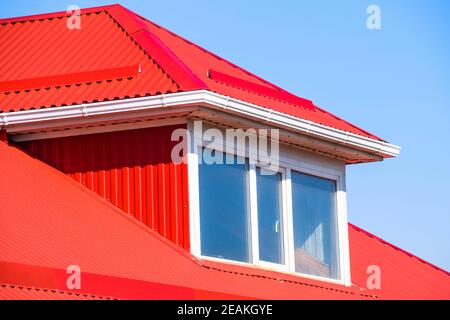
313 205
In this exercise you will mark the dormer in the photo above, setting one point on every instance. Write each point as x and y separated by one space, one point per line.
226 165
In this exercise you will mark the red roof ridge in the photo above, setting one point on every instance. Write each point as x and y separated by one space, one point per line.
160 53
211 53
371 235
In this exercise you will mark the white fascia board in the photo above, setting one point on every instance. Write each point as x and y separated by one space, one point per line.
22 121
305 126
97 109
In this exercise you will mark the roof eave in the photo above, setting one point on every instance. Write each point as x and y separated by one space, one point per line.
26 122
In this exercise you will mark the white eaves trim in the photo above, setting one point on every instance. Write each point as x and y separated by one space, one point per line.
22 121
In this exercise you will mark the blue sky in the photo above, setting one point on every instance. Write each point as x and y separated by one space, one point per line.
394 82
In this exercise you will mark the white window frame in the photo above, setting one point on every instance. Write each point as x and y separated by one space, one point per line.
254 220
287 164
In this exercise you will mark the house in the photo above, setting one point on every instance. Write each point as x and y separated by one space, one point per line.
94 206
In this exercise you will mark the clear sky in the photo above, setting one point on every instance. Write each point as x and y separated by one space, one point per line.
393 82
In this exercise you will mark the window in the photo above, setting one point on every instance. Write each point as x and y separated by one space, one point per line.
313 209
270 239
286 220
224 210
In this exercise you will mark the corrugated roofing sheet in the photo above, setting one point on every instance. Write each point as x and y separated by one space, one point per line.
114 37
46 49
50 221
403 275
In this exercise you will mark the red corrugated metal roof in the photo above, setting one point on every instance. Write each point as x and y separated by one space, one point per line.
48 222
38 50
41 47
403 275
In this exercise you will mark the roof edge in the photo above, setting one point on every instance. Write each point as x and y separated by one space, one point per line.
371 235
50 278
21 121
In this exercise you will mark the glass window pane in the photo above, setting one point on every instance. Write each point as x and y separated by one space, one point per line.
269 213
223 210
315 241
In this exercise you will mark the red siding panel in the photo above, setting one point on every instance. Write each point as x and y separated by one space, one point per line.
132 170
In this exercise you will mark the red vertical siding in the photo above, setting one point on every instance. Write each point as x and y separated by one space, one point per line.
131 169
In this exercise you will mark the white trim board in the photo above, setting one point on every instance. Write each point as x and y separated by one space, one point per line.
49 118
